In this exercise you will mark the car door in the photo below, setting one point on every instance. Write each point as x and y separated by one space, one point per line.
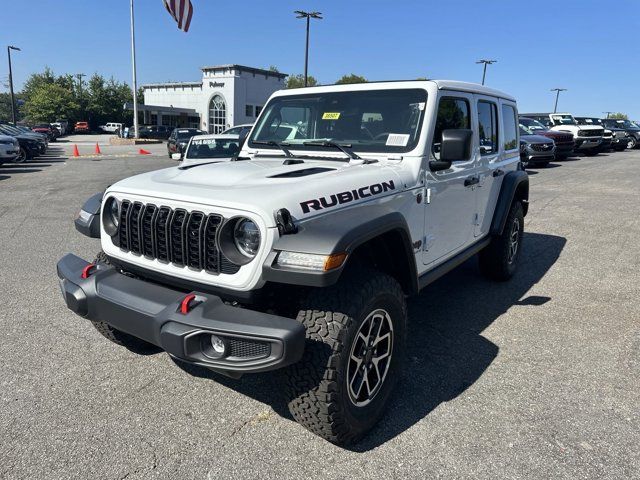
488 160
451 194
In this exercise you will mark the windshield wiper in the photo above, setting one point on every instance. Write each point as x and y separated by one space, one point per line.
272 143
342 147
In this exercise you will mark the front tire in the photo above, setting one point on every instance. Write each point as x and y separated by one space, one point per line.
131 343
633 143
22 157
352 360
498 261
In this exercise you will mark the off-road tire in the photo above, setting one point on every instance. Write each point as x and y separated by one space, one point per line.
134 344
316 387
496 261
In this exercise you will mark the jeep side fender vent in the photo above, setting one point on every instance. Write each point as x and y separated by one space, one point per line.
302 173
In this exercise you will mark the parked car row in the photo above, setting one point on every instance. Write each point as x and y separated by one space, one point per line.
19 144
545 137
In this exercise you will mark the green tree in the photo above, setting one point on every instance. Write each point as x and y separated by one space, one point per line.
37 81
106 99
351 78
49 102
297 81
618 116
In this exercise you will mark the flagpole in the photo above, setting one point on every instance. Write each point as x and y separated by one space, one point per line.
135 83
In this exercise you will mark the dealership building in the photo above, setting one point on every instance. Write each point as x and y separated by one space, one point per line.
228 95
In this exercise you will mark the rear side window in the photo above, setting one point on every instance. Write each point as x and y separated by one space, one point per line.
488 126
453 114
509 127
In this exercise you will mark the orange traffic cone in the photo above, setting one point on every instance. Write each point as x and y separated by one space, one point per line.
98 152
76 153
144 152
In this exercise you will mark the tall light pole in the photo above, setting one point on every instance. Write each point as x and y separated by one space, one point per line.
135 82
79 77
308 16
13 101
557 90
608 113
484 70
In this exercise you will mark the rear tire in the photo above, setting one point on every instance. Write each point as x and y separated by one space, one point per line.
352 360
498 261
131 343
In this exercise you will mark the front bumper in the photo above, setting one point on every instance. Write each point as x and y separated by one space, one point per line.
256 341
586 143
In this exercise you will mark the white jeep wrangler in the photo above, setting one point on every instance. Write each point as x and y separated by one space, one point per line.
299 254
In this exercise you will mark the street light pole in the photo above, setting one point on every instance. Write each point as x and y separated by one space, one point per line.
79 77
557 90
13 100
308 16
484 70
135 82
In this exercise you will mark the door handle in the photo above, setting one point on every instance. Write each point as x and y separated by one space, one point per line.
498 172
471 181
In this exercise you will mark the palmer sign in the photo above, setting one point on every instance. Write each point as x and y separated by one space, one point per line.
216 84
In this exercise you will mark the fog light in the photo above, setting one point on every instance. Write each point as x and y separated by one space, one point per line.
218 345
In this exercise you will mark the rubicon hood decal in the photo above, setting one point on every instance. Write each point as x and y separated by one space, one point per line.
346 197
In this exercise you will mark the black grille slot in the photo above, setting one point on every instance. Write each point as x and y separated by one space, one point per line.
247 348
176 236
134 228
211 252
148 234
177 229
195 227
123 231
161 228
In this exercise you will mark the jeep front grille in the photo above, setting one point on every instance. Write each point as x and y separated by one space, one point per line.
593 133
173 236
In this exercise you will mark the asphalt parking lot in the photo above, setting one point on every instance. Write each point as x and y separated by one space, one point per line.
535 378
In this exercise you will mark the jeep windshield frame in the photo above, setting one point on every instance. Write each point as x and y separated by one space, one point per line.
375 121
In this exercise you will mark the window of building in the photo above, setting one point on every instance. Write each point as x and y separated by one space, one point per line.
488 125
509 127
248 110
453 114
217 115
258 110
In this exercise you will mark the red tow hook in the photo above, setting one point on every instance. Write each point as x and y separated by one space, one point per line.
185 304
86 271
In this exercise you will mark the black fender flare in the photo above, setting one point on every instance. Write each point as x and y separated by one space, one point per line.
514 182
88 220
338 232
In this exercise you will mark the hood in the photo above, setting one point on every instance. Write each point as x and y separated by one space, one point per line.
535 139
265 186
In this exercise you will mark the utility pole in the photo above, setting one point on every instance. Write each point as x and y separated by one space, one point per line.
13 100
135 82
484 70
557 90
308 16
79 77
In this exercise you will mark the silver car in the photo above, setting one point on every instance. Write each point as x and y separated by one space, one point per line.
536 149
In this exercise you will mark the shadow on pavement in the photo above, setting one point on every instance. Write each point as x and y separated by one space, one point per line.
446 352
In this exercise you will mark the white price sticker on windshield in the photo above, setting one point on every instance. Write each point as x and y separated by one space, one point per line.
397 140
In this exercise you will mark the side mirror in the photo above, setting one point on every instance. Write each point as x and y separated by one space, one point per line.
455 146
176 156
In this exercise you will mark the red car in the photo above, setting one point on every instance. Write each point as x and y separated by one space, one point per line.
81 127
46 129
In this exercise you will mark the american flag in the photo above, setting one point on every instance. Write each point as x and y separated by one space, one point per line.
181 11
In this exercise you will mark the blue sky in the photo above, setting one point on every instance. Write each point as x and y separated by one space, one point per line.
590 47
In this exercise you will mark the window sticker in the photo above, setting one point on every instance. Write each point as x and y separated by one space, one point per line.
204 141
397 140
331 115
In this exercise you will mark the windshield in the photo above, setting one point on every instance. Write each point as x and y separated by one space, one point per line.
532 125
370 121
187 134
526 131
588 121
625 124
200 148
563 119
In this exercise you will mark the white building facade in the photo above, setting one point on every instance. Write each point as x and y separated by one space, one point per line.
228 95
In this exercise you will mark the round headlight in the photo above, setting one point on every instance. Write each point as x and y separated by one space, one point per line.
111 216
246 236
